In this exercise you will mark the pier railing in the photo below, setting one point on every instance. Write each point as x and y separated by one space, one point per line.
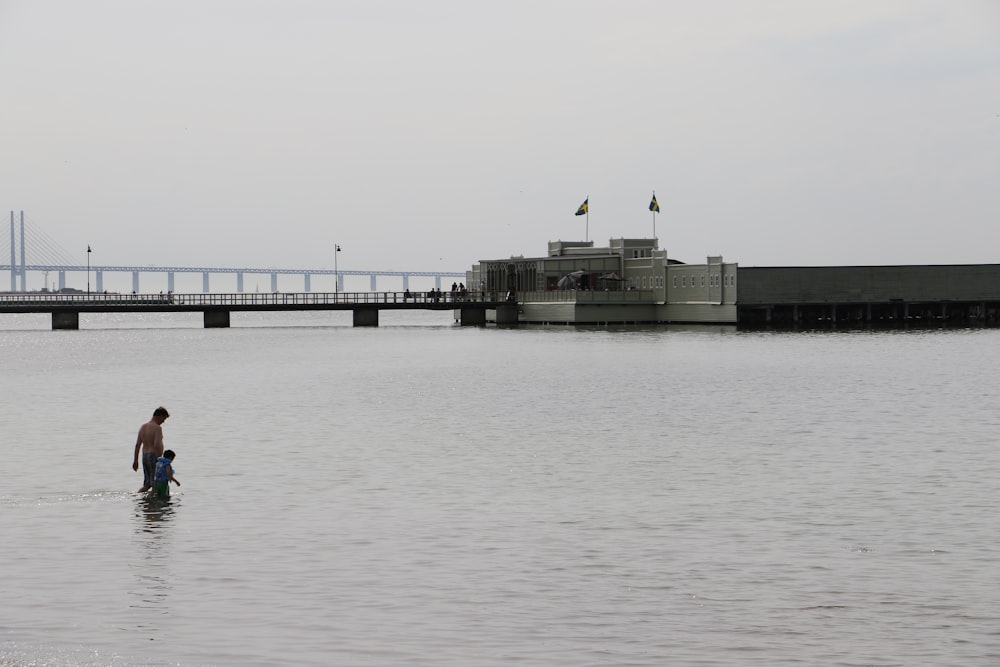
239 299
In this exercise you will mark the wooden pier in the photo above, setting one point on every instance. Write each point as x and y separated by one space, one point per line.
66 308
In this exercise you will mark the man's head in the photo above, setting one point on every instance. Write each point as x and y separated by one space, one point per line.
160 414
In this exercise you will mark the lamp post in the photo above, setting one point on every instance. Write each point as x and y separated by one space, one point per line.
88 268
336 271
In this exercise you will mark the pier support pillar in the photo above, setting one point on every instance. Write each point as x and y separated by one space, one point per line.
217 319
65 321
473 317
365 317
507 314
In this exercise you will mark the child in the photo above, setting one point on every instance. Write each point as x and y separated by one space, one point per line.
164 474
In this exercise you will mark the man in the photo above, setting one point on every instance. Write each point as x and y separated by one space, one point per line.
150 441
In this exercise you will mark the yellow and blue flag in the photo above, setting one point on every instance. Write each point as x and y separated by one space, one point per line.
653 205
584 207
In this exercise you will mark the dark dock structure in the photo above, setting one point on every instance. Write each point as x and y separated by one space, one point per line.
954 294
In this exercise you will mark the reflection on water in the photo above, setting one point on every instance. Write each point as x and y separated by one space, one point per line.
154 512
151 587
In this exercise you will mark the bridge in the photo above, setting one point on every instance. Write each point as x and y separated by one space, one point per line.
18 279
34 252
66 308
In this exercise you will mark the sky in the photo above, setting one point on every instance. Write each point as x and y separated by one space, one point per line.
425 136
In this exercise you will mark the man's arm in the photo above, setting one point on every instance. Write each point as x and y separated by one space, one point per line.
135 455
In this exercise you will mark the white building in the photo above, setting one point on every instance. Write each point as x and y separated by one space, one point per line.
629 281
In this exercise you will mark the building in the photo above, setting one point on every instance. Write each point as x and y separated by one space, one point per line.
960 294
629 281
632 281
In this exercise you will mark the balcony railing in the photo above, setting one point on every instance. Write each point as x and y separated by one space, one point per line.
588 296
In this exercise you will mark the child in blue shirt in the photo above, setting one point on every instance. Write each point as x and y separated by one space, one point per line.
164 474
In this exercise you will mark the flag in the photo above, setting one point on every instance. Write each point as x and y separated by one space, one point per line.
583 207
653 206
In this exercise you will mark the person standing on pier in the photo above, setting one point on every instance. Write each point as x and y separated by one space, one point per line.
150 441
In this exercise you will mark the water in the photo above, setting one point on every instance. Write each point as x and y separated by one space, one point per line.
426 494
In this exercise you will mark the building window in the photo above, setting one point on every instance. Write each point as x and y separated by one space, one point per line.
703 281
675 282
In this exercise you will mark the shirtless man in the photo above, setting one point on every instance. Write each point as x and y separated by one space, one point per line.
150 440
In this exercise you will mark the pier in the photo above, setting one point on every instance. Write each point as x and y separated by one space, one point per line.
66 308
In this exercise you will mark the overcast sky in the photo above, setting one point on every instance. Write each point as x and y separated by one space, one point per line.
428 135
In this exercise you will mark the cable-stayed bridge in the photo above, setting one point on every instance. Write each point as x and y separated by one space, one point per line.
29 250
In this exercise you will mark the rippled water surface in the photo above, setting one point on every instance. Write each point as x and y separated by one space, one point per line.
426 494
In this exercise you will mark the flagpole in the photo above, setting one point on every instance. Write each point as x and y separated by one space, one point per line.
654 217
585 210
653 206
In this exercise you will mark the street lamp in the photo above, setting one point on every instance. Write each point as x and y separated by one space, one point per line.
88 268
336 271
